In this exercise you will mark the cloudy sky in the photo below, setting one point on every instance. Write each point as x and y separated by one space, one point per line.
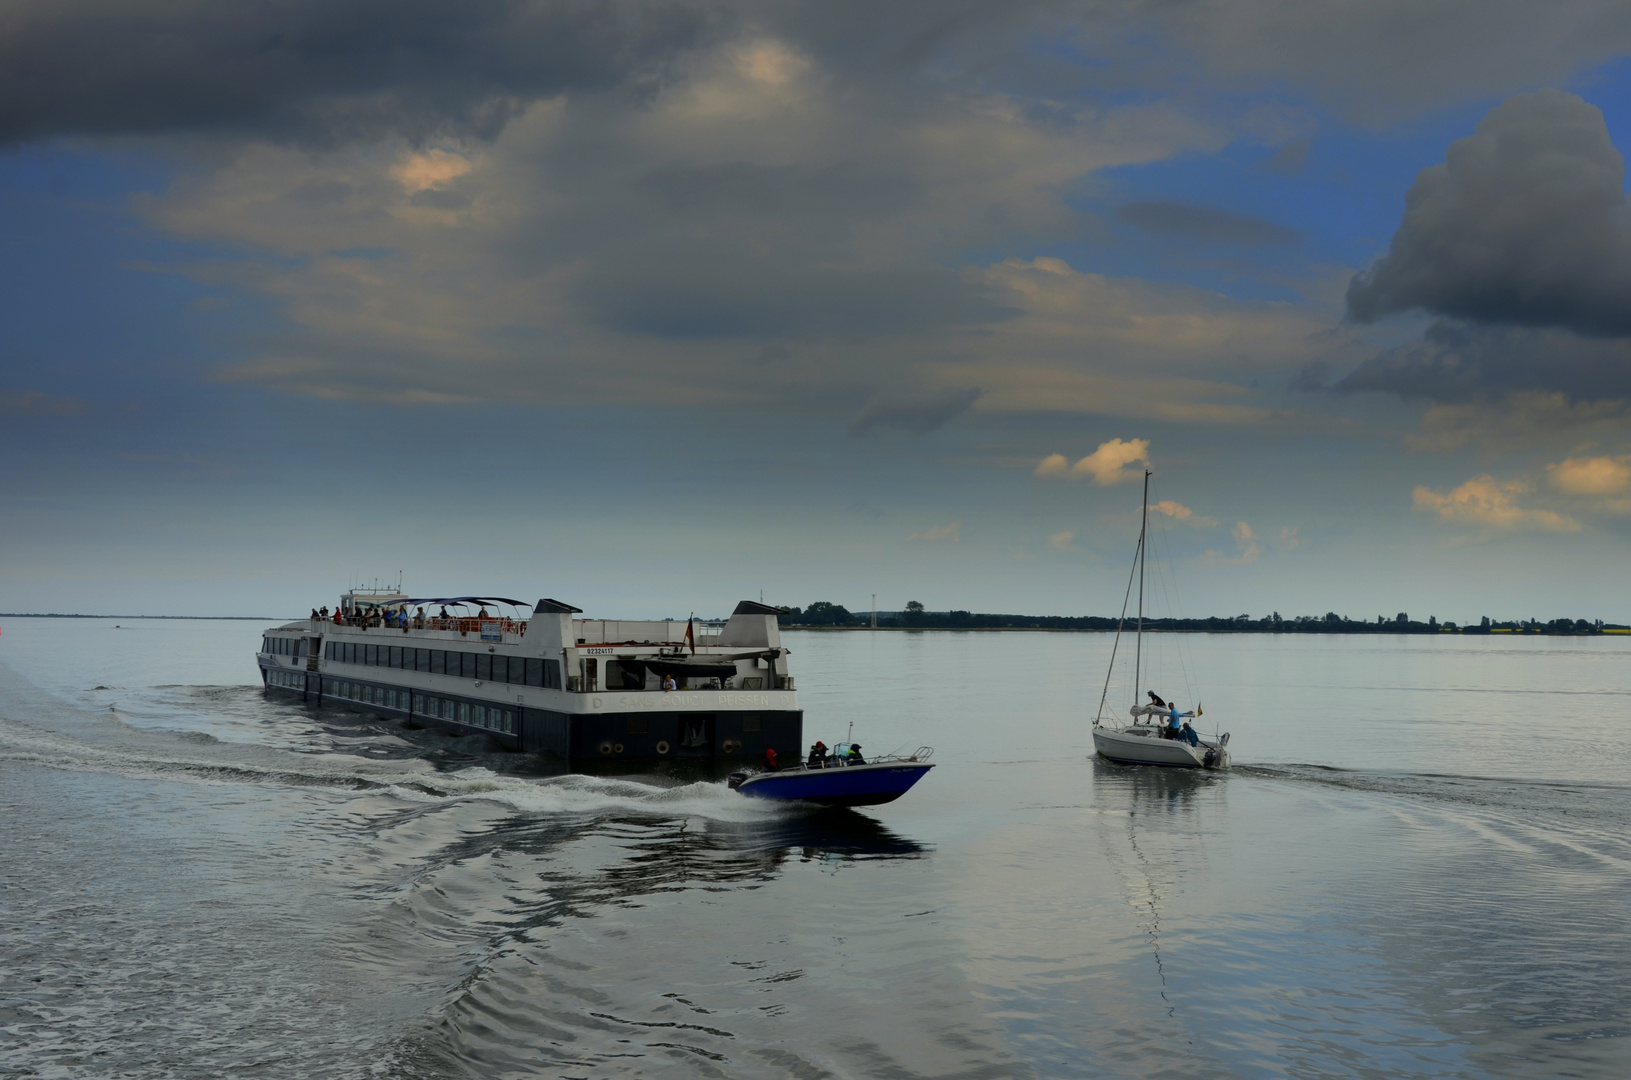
655 306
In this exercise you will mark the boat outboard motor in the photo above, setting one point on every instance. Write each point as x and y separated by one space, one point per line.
735 779
1211 758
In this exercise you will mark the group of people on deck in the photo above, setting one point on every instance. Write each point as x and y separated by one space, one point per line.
842 754
392 618
1176 726
821 757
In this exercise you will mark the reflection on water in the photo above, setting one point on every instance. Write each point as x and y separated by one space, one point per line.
201 881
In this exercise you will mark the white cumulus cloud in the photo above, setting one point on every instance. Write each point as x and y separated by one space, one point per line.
1106 465
1492 503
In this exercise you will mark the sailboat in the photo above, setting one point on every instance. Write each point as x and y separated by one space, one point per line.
1150 737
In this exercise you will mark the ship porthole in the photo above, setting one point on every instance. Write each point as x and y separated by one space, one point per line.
617 748
605 748
662 747
730 746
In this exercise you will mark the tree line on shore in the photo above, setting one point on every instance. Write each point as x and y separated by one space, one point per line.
826 615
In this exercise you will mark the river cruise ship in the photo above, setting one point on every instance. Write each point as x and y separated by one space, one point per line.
552 682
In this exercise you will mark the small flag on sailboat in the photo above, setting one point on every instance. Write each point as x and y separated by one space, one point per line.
1198 711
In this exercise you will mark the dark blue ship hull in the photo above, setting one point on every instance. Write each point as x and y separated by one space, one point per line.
846 785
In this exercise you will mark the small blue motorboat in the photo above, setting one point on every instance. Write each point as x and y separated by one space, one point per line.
838 780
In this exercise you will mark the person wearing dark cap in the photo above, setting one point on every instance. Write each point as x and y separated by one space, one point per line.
855 757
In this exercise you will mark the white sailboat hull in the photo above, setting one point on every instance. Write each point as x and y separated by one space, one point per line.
1142 744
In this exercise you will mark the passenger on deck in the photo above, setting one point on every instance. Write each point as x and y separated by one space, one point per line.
313 614
482 614
1173 722
444 614
419 619
1188 735
818 755
669 683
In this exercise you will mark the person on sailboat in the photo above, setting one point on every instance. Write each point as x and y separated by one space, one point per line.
1187 734
1174 723
1155 699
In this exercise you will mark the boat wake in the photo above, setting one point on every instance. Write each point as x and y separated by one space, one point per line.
66 737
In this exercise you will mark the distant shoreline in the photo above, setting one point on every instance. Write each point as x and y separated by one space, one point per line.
203 618
1151 628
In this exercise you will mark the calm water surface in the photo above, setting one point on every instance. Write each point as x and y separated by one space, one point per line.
1419 867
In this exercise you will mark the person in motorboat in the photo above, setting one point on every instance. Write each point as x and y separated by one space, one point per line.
855 757
770 759
818 755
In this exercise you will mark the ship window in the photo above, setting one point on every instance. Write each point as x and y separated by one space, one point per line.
436 660
750 721
467 665
370 654
637 725
484 666
478 716
421 659
552 674
447 709
535 673
464 713
395 659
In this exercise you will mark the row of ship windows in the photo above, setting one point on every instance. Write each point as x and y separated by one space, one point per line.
483 716
284 646
519 670
288 679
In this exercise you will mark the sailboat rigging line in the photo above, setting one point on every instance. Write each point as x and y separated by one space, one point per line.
1138 647
1114 645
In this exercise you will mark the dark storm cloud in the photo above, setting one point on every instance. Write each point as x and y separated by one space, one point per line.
1459 362
1522 225
318 69
918 413
1204 223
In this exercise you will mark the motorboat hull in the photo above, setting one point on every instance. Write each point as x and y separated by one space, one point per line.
847 785
1143 745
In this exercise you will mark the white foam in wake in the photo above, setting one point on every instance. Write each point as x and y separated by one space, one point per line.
580 794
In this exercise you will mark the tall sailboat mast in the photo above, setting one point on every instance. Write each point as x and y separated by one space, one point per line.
1138 647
